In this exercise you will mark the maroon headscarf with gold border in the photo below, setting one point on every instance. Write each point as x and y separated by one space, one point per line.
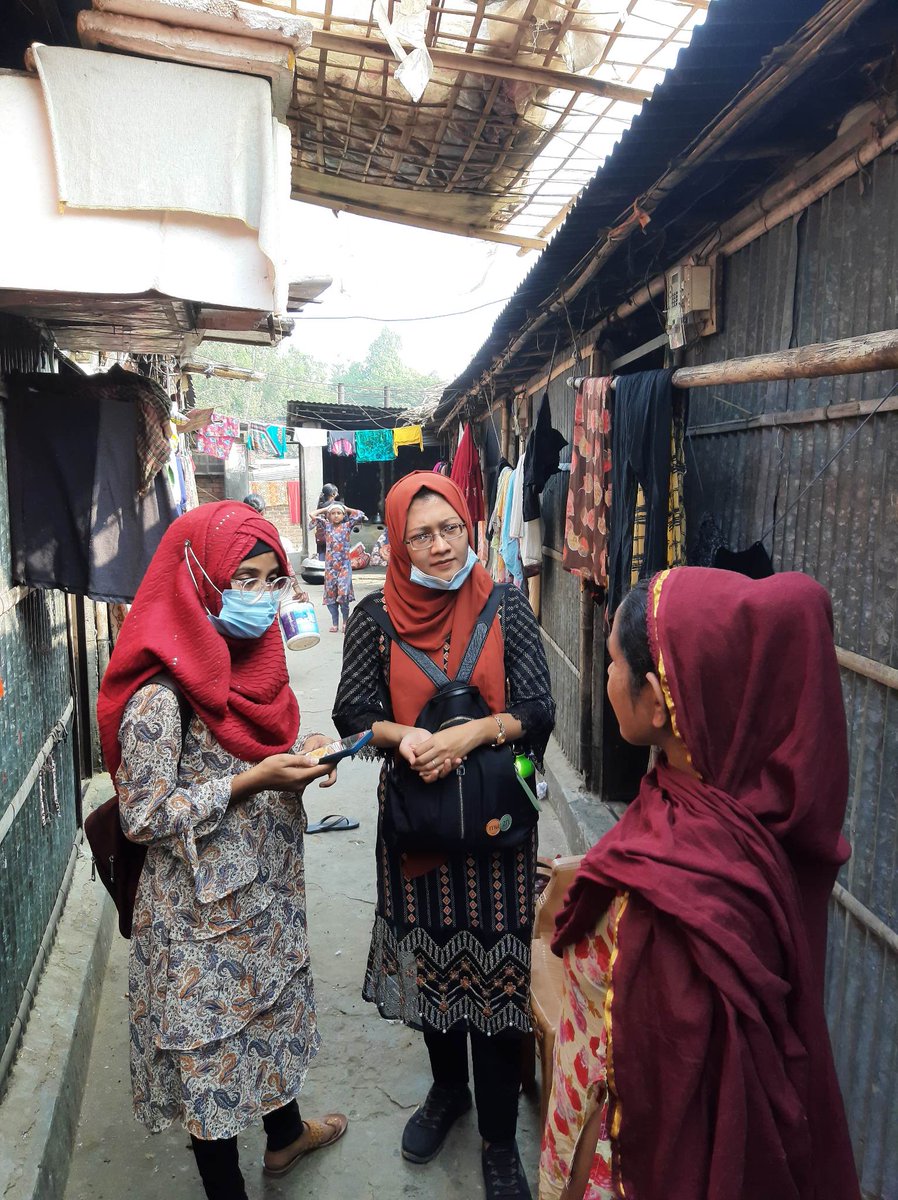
720 1067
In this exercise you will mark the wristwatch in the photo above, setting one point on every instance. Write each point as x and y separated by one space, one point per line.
500 740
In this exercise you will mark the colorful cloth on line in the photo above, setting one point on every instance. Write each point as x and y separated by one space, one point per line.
153 433
408 435
341 442
278 436
217 439
676 513
467 474
374 445
580 1068
294 502
585 550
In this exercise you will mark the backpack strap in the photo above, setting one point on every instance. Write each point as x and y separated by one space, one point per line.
481 633
164 679
471 656
379 616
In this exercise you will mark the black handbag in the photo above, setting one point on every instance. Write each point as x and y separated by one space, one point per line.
480 806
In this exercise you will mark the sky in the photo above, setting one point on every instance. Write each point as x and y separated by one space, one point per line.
384 272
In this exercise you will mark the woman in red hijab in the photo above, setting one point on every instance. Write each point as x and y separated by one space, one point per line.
450 952
693 1060
222 1012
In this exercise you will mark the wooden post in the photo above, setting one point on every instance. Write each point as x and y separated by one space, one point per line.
848 356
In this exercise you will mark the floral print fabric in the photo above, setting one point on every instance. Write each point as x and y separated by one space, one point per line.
222 1011
579 1077
585 549
337 567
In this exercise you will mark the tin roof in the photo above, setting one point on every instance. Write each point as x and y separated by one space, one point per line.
740 40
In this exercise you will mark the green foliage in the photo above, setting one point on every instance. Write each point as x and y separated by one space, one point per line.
291 374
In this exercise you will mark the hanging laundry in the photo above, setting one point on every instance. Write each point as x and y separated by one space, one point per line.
544 448
294 502
310 438
76 520
711 550
217 438
495 562
641 433
467 474
189 472
374 445
278 436
510 547
408 435
585 549
154 426
194 419
676 511
341 443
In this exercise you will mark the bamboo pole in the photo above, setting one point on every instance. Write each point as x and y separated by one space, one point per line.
848 356
483 64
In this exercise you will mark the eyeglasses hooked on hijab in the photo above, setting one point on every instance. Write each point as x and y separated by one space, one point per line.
247 611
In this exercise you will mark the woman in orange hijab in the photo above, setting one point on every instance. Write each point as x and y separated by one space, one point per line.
450 952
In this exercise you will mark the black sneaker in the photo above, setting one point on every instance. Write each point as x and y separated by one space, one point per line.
503 1175
425 1132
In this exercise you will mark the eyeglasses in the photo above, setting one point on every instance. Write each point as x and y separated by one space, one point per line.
251 591
451 533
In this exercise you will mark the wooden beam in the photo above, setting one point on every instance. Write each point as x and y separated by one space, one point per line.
398 216
848 356
483 64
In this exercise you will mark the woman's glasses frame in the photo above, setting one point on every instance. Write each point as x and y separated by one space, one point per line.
450 532
250 591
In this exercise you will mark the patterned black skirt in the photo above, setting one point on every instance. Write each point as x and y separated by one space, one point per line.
451 948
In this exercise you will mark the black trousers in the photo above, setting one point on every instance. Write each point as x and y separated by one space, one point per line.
497 1075
218 1160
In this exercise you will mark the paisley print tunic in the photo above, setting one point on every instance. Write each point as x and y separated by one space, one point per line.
222 1018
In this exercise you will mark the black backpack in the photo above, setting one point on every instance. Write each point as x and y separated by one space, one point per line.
480 806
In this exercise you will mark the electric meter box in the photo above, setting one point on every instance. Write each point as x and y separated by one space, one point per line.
689 289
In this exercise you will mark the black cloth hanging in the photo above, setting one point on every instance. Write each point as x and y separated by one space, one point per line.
640 457
711 550
76 520
543 451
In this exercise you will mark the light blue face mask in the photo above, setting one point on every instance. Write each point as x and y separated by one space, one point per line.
445 585
241 620
237 618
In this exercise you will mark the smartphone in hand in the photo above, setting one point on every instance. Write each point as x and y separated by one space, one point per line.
334 751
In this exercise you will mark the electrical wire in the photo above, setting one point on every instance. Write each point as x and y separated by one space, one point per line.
395 320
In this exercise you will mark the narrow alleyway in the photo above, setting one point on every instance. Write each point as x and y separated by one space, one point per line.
373 1070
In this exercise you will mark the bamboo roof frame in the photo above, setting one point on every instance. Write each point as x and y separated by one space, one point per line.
505 135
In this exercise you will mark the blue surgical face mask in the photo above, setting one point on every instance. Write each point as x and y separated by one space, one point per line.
237 618
241 620
445 585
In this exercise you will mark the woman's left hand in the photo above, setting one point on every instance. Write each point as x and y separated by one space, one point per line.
444 751
314 742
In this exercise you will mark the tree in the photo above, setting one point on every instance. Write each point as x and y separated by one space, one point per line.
382 367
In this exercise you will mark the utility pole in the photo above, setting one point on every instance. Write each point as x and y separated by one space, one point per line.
386 395
341 394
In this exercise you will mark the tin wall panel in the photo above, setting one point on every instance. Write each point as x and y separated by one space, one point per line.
831 273
34 694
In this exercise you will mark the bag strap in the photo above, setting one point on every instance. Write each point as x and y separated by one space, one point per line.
379 616
475 646
164 679
481 633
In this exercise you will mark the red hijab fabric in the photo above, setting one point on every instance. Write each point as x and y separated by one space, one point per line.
426 618
239 687
721 1073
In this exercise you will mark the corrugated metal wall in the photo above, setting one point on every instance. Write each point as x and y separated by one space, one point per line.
831 273
35 693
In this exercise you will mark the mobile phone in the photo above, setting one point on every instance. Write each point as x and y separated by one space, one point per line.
334 751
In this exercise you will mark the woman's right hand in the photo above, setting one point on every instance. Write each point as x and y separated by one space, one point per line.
413 738
279 773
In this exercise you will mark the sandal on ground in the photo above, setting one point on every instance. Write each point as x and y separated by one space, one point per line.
331 823
335 629
319 1134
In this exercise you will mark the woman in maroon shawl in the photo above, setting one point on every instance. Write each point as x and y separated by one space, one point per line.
694 1062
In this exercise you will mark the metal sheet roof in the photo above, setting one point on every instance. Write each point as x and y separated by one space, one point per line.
738 39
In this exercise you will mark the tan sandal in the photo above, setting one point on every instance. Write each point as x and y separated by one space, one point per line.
320 1134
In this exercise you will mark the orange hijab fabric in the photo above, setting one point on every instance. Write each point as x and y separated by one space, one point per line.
426 618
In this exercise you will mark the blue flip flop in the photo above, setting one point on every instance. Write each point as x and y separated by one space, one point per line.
332 822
